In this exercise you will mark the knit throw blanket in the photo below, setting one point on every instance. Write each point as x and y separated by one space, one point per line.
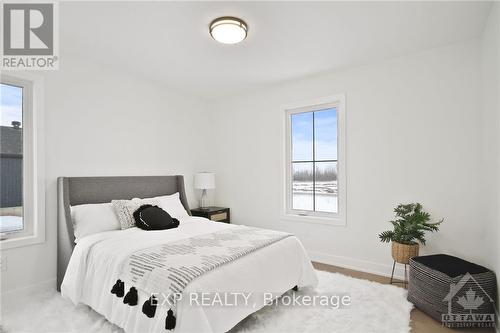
170 267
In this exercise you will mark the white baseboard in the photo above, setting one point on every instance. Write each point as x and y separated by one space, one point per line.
357 264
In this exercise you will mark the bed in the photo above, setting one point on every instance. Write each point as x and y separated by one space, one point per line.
86 272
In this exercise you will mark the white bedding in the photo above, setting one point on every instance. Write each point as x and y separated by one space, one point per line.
96 260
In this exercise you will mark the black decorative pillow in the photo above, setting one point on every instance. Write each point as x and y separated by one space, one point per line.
148 217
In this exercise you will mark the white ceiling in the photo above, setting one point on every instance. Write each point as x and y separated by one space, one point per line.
169 41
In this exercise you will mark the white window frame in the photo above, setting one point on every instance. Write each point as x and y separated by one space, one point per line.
339 218
33 161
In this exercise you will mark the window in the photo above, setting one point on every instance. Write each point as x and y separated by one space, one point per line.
315 184
21 188
11 158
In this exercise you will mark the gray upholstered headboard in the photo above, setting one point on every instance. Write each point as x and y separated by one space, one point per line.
73 191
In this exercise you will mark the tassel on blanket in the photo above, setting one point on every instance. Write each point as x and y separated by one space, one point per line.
119 288
149 307
131 297
170 320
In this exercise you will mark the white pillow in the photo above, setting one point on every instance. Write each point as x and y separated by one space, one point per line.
93 218
125 209
172 205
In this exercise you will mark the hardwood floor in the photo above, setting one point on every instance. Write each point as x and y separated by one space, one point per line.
420 322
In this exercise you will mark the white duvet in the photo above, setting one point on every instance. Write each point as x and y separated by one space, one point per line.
96 260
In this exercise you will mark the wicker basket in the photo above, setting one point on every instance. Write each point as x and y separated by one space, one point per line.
402 253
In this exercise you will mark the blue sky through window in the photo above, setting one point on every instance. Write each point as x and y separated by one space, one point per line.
11 104
325 135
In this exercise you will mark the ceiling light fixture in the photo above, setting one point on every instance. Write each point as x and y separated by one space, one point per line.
228 30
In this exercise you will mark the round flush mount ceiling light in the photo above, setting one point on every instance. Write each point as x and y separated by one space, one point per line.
228 30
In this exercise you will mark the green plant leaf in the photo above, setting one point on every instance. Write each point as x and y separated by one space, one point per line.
386 236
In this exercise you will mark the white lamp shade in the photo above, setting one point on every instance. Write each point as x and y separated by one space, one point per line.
204 180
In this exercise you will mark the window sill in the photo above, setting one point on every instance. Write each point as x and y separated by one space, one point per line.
14 242
337 221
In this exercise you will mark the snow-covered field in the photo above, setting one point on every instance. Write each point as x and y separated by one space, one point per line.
11 223
326 196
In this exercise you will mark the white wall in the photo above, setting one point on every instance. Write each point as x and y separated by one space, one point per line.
414 134
104 122
490 80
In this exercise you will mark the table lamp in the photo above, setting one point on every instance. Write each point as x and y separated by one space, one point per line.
204 181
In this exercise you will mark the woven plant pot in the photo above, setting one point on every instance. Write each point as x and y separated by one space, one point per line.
402 253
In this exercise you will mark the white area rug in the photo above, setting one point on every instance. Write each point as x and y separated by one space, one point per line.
374 308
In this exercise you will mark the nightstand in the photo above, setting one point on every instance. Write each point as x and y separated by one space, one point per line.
219 214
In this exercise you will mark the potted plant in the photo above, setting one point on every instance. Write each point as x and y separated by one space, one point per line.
410 226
